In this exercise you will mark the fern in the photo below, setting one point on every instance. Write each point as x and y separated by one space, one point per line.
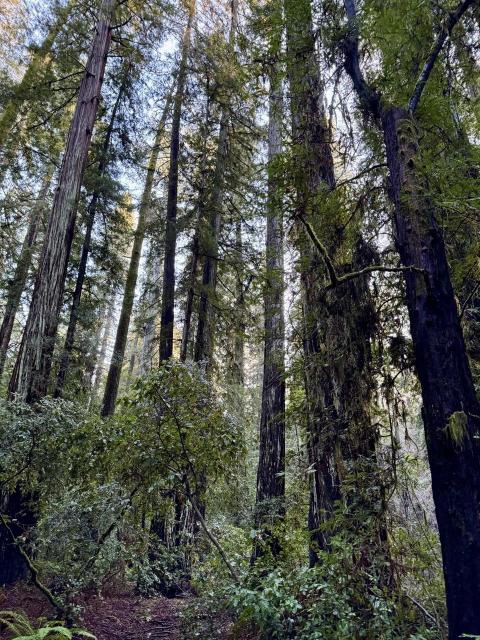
22 629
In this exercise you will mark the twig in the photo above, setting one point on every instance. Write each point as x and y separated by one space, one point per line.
467 300
426 613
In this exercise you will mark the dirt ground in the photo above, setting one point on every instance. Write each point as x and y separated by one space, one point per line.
123 617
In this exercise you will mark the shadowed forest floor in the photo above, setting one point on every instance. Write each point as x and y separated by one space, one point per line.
116 617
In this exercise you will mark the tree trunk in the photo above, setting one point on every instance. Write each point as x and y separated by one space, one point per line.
14 506
29 380
451 411
168 293
194 263
151 300
314 174
238 359
17 285
270 498
82 268
115 370
209 242
338 376
103 351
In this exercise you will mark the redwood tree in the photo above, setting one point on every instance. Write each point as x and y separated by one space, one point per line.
450 406
30 376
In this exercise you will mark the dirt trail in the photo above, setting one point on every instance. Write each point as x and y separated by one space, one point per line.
125 617
130 618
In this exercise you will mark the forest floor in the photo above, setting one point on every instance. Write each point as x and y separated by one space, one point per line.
114 617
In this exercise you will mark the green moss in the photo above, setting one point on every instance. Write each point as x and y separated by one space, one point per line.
456 428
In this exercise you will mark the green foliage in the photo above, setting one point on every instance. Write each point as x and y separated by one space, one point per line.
21 628
333 601
172 430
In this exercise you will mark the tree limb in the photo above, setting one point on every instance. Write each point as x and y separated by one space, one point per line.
373 269
369 97
322 250
445 32
335 279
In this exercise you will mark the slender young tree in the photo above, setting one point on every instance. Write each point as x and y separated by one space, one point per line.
270 495
450 407
168 292
102 354
152 297
115 370
30 376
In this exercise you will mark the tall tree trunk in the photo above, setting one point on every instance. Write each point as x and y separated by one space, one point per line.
209 240
151 300
450 407
115 370
39 63
109 315
30 376
314 175
238 359
168 293
341 438
82 268
17 285
269 504
195 258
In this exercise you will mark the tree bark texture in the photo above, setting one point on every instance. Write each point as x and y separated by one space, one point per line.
451 411
30 377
